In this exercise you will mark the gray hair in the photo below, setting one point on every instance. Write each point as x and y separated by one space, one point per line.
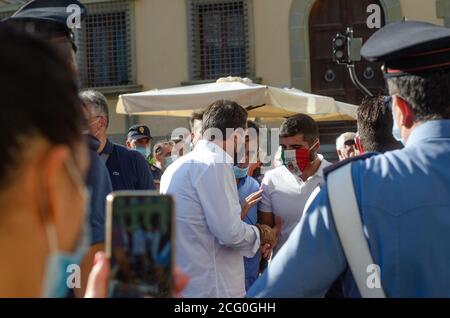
98 101
340 141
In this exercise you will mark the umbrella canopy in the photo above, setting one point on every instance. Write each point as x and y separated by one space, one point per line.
260 101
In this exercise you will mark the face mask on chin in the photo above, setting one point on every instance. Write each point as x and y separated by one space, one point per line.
58 262
297 160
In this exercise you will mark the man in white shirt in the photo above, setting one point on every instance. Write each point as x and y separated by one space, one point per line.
211 238
288 187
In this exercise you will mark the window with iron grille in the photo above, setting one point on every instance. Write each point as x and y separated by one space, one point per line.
220 39
105 46
5 13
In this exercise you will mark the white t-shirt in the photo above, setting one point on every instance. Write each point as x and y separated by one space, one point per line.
286 194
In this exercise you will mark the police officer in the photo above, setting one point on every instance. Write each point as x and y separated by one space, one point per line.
402 197
52 20
140 139
128 169
47 19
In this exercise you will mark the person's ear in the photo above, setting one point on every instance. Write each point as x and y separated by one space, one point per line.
339 153
403 112
359 146
56 191
316 146
53 176
104 122
63 209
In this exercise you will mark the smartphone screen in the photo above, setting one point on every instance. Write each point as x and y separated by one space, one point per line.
139 230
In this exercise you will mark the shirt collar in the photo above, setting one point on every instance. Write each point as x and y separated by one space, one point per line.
212 147
323 164
93 142
429 130
109 147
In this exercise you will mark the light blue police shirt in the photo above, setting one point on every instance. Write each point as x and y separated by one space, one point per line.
404 201
247 186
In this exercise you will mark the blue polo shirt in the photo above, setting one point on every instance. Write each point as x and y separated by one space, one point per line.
404 202
99 184
127 168
247 186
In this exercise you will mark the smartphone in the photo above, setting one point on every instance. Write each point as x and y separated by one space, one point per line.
139 243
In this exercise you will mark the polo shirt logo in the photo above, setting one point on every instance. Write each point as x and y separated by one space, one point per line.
115 173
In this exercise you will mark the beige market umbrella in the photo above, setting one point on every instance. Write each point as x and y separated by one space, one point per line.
260 100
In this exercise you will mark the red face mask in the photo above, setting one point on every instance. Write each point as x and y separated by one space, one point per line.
302 159
359 145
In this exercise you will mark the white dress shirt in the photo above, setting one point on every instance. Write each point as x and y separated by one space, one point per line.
286 194
210 236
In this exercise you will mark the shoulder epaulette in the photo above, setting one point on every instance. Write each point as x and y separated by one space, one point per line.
337 165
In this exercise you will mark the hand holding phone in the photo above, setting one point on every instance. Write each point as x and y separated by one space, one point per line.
140 245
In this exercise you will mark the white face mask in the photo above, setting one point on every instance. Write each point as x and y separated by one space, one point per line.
396 132
395 128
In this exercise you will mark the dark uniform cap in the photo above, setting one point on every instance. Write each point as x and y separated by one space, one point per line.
409 47
53 13
137 132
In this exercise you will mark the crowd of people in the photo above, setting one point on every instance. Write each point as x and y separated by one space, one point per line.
239 229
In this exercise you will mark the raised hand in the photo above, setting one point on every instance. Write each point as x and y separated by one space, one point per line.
250 201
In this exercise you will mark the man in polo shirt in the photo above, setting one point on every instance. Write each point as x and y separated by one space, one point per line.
288 187
127 168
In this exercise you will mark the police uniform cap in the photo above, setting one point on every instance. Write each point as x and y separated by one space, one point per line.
51 15
409 47
137 132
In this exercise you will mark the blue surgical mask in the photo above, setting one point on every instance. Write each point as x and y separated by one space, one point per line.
145 151
58 268
169 160
240 173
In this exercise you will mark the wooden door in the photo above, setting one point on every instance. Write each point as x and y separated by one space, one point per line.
327 18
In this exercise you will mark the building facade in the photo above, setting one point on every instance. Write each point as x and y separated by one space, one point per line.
134 45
